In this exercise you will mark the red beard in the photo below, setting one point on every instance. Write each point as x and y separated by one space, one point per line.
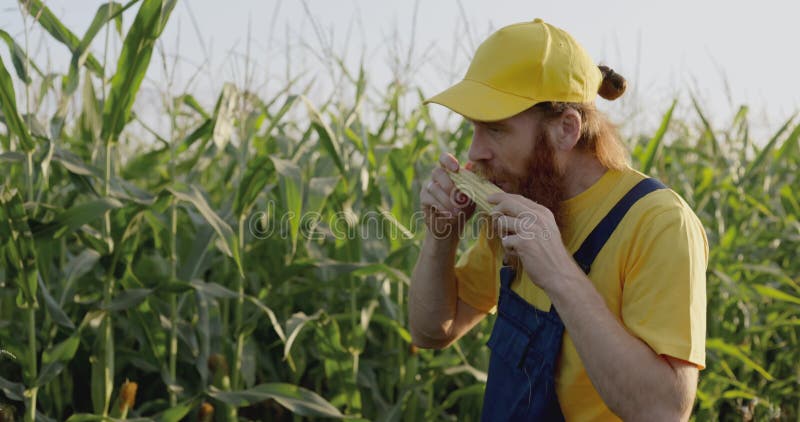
542 182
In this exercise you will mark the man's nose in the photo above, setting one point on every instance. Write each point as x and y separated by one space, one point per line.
479 149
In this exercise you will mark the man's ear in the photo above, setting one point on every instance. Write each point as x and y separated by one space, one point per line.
566 130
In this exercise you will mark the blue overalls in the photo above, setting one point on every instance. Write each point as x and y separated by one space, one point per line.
526 341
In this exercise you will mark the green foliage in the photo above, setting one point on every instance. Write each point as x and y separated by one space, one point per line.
256 261
132 65
15 125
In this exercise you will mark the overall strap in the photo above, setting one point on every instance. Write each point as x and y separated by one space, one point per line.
590 247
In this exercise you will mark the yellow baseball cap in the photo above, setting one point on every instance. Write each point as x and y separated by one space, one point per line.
521 65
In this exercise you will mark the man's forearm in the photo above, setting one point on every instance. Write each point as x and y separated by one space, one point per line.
632 379
433 294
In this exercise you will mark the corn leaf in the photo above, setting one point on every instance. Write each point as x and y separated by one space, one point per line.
258 173
299 400
57 30
229 243
757 162
54 359
719 345
134 59
105 13
54 309
648 156
127 299
18 58
12 390
291 187
73 218
16 241
8 103
773 293
177 413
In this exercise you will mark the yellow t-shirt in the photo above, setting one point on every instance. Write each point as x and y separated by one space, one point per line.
651 273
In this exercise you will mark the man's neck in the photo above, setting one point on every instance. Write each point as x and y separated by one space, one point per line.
583 171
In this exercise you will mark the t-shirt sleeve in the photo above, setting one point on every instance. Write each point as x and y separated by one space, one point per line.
664 292
477 275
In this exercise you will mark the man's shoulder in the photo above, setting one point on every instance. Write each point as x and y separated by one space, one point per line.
659 211
660 223
661 202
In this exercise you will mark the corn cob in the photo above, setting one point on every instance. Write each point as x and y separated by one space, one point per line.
475 187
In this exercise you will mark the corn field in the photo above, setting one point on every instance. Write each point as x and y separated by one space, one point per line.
252 261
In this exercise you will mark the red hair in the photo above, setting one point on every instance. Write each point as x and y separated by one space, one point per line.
598 135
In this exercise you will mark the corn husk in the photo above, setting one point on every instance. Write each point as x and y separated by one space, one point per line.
475 187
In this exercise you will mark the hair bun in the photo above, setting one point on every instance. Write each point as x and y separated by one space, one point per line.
613 85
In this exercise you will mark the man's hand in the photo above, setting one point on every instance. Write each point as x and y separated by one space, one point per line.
436 315
446 209
529 231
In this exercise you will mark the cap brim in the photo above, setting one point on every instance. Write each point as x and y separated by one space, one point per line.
480 102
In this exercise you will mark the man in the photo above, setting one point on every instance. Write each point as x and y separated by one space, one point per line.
602 313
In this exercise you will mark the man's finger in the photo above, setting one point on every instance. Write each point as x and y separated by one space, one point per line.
496 198
500 197
510 243
441 199
448 161
506 225
513 205
523 225
440 176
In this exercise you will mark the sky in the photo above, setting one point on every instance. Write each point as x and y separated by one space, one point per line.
725 53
